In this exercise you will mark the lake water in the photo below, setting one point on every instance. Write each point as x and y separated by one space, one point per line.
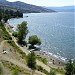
56 31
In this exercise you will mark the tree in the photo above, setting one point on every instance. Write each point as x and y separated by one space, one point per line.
11 12
33 40
69 68
0 17
6 17
6 12
52 72
31 60
19 14
22 31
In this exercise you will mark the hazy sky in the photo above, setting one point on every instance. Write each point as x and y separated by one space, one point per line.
48 2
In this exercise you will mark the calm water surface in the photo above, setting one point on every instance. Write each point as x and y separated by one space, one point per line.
56 30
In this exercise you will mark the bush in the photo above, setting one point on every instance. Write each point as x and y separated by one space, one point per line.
6 36
58 70
15 72
33 40
31 60
52 72
15 34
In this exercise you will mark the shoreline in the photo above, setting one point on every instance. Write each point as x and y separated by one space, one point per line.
52 59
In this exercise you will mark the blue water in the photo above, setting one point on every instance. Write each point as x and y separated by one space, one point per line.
56 31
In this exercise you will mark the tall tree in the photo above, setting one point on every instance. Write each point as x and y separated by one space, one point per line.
0 15
22 31
31 60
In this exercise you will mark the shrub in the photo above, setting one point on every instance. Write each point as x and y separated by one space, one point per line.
33 40
6 36
52 72
31 60
15 34
15 72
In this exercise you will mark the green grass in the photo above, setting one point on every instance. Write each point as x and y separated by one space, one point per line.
44 60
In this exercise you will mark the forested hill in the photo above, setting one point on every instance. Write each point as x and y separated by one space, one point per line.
63 9
24 7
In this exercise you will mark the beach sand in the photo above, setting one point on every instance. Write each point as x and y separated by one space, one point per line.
52 61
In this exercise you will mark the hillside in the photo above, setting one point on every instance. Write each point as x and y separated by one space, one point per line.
24 7
63 9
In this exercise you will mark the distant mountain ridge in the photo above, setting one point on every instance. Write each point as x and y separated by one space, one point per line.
24 7
63 9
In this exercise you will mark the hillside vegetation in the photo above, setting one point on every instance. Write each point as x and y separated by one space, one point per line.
24 7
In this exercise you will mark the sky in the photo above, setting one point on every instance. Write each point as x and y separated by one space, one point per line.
48 2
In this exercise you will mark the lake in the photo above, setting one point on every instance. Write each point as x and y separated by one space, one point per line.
56 31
